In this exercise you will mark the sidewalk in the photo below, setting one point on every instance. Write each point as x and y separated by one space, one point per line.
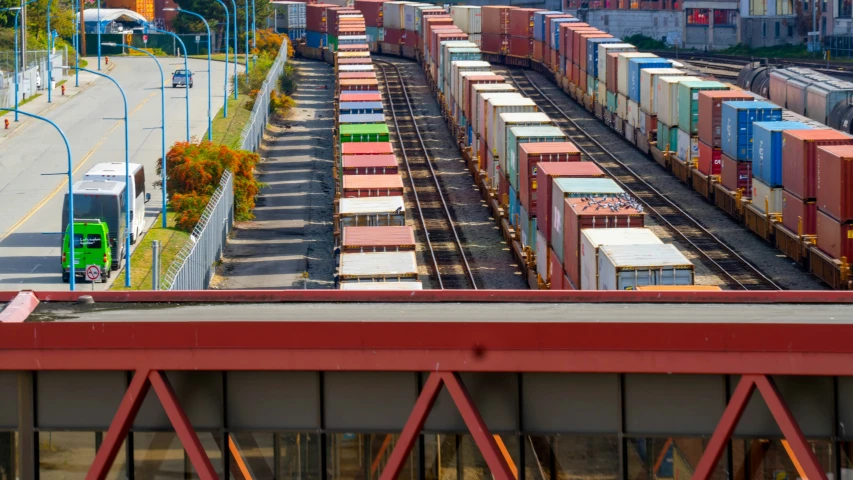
40 106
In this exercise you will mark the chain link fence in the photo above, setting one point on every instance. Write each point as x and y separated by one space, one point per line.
252 134
194 265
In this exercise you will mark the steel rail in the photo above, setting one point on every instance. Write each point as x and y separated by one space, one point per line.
452 227
692 221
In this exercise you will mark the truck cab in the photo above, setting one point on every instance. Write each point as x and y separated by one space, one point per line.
91 247
181 77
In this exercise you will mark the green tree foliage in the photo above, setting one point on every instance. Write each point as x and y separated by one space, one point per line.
215 15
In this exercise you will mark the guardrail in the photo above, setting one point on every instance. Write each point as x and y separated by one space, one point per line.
193 267
253 132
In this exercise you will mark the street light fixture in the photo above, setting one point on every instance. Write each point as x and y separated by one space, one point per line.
234 4
209 70
17 54
227 33
162 121
126 171
186 69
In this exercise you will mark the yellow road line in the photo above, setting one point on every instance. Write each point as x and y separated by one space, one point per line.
62 184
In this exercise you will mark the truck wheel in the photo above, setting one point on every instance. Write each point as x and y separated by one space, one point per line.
65 277
114 266
174 85
132 239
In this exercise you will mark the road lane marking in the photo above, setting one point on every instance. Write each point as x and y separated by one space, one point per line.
64 182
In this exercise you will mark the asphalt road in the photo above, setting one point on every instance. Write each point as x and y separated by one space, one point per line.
31 197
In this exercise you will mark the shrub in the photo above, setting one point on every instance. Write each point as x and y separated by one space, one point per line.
280 103
194 171
288 79
268 43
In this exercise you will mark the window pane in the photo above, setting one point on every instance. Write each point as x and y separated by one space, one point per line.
449 457
8 445
572 457
300 456
669 457
354 456
161 455
68 456
764 459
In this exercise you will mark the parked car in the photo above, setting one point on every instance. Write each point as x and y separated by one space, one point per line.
181 76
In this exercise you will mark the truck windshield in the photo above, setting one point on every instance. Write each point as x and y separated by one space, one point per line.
106 208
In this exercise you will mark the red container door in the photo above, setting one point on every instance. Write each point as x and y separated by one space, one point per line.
834 187
833 237
710 162
556 270
797 214
736 175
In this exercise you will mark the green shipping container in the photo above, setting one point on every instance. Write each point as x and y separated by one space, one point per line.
688 103
516 135
611 101
333 43
360 132
667 135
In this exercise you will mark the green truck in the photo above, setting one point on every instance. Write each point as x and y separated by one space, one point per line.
91 247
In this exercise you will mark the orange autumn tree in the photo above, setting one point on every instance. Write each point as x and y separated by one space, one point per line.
194 171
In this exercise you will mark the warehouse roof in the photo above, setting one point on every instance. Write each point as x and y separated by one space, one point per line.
113 15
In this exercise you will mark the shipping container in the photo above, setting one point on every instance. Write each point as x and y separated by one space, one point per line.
688 147
738 119
371 212
604 50
379 267
369 164
626 267
372 11
492 43
688 103
579 47
833 237
709 123
563 188
767 150
612 72
623 72
285 16
821 98
357 186
559 36
392 15
468 18
647 86
520 47
592 45
377 239
635 67
735 175
519 135
543 265
393 36
494 107
666 97
382 286
632 113
593 238
357 108
358 84
363 118
495 19
459 95
679 288
355 75
557 272
798 216
315 18
667 140
508 120
530 155
363 133
540 24
710 159
586 213
367 148
521 22
799 158
471 93
834 182
315 39
765 197
356 68
527 223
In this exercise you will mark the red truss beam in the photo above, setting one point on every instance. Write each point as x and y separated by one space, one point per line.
779 410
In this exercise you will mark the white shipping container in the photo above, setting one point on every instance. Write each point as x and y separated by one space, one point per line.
633 113
509 120
622 70
444 65
647 86
543 265
604 49
477 91
621 106
458 66
355 68
593 238
479 120
381 265
458 93
764 197
373 286
468 18
372 211
409 15
626 267
666 97
688 147
601 94
497 106
392 15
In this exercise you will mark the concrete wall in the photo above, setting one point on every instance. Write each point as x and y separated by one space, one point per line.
556 5
651 23
761 31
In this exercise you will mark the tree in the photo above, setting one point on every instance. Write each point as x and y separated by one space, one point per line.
215 15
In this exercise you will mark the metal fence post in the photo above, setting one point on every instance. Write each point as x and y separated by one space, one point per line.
155 269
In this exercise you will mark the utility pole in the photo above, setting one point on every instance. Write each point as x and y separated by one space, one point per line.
24 38
82 43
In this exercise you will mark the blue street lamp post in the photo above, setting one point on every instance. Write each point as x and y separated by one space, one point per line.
254 27
234 4
162 121
128 220
17 54
227 33
72 270
186 69
98 27
247 40
77 46
209 71
49 55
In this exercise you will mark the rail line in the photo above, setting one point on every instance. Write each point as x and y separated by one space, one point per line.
715 254
446 250
842 69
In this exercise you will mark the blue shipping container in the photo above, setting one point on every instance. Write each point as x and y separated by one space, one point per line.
358 108
514 207
737 122
315 39
767 155
635 65
592 53
555 31
539 24
470 135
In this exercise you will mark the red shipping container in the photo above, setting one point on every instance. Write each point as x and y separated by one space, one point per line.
495 19
369 164
710 124
546 54
710 161
834 237
576 75
566 36
315 17
355 61
494 43
835 181
529 155
651 122
333 14
355 75
580 214
796 212
799 158
521 22
372 11
557 272
538 51
393 36
736 175
582 47
549 35
367 148
582 80
573 43
521 47
567 283
612 72
412 39
554 62
361 97
545 173
357 186
377 239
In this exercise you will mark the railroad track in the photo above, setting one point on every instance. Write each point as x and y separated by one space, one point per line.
713 252
449 262
843 69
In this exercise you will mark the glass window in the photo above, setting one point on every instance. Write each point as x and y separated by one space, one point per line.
353 456
457 456
161 455
724 17
778 34
844 9
68 455
78 240
697 16
93 241
564 457
784 7
757 7
294 456
8 467
674 457
768 459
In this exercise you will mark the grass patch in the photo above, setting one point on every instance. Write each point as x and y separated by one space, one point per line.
141 262
776 51
28 99
220 57
226 131
61 83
